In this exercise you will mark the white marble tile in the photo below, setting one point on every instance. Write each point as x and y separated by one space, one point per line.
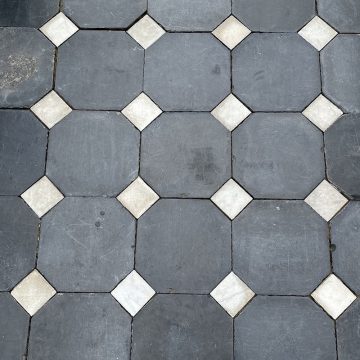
33 292
146 31
318 33
42 196
59 29
51 109
138 197
231 198
333 296
133 293
232 294
231 32
231 112
326 200
322 112
142 111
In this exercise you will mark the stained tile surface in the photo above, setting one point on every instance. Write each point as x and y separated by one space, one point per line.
179 179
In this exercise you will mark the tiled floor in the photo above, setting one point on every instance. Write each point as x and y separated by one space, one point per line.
179 179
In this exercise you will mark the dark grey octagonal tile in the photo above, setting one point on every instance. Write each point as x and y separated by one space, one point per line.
93 153
23 148
345 236
177 327
340 71
183 246
348 335
26 65
274 15
86 244
278 156
186 155
104 14
284 328
34 13
13 328
105 79
343 15
19 228
343 154
276 243
189 15
185 72
80 327
276 72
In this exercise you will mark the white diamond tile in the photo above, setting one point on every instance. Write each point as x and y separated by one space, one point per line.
231 32
142 111
231 198
59 29
133 293
33 292
146 31
51 109
322 112
138 197
231 112
326 200
333 296
318 33
232 294
42 196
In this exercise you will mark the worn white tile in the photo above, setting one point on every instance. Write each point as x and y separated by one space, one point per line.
51 109
231 32
42 196
322 112
59 29
138 197
231 198
326 200
146 31
232 294
33 292
133 293
333 296
142 111
318 33
231 112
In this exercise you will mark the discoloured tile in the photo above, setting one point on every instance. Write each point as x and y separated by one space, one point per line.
275 244
26 66
185 155
170 323
286 328
183 246
23 150
93 153
86 244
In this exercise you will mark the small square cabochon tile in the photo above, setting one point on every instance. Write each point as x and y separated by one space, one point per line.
231 32
231 198
231 112
318 33
138 197
42 196
146 31
133 293
333 296
59 29
232 294
33 292
322 112
142 111
51 109
326 200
